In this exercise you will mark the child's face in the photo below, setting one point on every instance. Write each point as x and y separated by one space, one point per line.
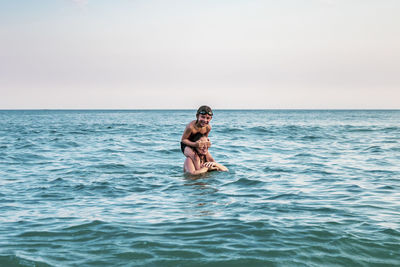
204 119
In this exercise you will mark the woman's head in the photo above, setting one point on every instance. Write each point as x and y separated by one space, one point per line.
204 144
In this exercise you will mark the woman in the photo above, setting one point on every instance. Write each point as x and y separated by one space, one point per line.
204 161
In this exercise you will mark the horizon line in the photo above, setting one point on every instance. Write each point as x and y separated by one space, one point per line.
172 109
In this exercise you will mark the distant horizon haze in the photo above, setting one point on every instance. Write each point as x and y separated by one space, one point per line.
310 54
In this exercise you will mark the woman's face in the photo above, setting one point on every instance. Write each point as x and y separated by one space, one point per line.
203 148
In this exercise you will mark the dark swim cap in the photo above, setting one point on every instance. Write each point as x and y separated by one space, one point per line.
204 110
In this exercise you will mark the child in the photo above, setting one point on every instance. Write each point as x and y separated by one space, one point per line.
201 126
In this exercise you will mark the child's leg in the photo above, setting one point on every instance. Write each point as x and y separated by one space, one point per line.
188 152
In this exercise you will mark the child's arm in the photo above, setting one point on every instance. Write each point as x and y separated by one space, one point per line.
208 130
206 134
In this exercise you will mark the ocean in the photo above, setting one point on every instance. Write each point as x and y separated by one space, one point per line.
106 188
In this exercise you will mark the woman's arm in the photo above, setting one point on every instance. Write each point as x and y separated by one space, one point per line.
221 167
189 167
214 166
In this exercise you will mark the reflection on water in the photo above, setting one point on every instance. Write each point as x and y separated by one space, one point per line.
199 196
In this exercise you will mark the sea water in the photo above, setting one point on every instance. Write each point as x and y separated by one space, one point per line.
106 188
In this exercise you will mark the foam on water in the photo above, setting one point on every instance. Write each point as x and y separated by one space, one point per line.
106 188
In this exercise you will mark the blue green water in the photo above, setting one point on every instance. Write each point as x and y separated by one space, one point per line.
106 188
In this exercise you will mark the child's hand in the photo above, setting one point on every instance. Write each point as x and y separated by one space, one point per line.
201 144
198 143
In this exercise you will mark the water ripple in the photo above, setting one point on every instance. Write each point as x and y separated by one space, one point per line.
106 188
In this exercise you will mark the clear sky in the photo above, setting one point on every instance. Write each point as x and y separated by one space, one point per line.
178 54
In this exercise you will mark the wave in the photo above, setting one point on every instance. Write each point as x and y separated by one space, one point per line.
11 260
29 158
277 170
374 149
285 196
64 144
248 182
228 130
358 129
260 130
109 166
311 137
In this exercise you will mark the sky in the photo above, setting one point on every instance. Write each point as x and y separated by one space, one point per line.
180 54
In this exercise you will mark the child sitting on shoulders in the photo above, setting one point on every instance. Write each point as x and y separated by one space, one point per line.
199 127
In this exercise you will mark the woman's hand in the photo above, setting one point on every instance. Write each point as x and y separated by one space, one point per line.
210 165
